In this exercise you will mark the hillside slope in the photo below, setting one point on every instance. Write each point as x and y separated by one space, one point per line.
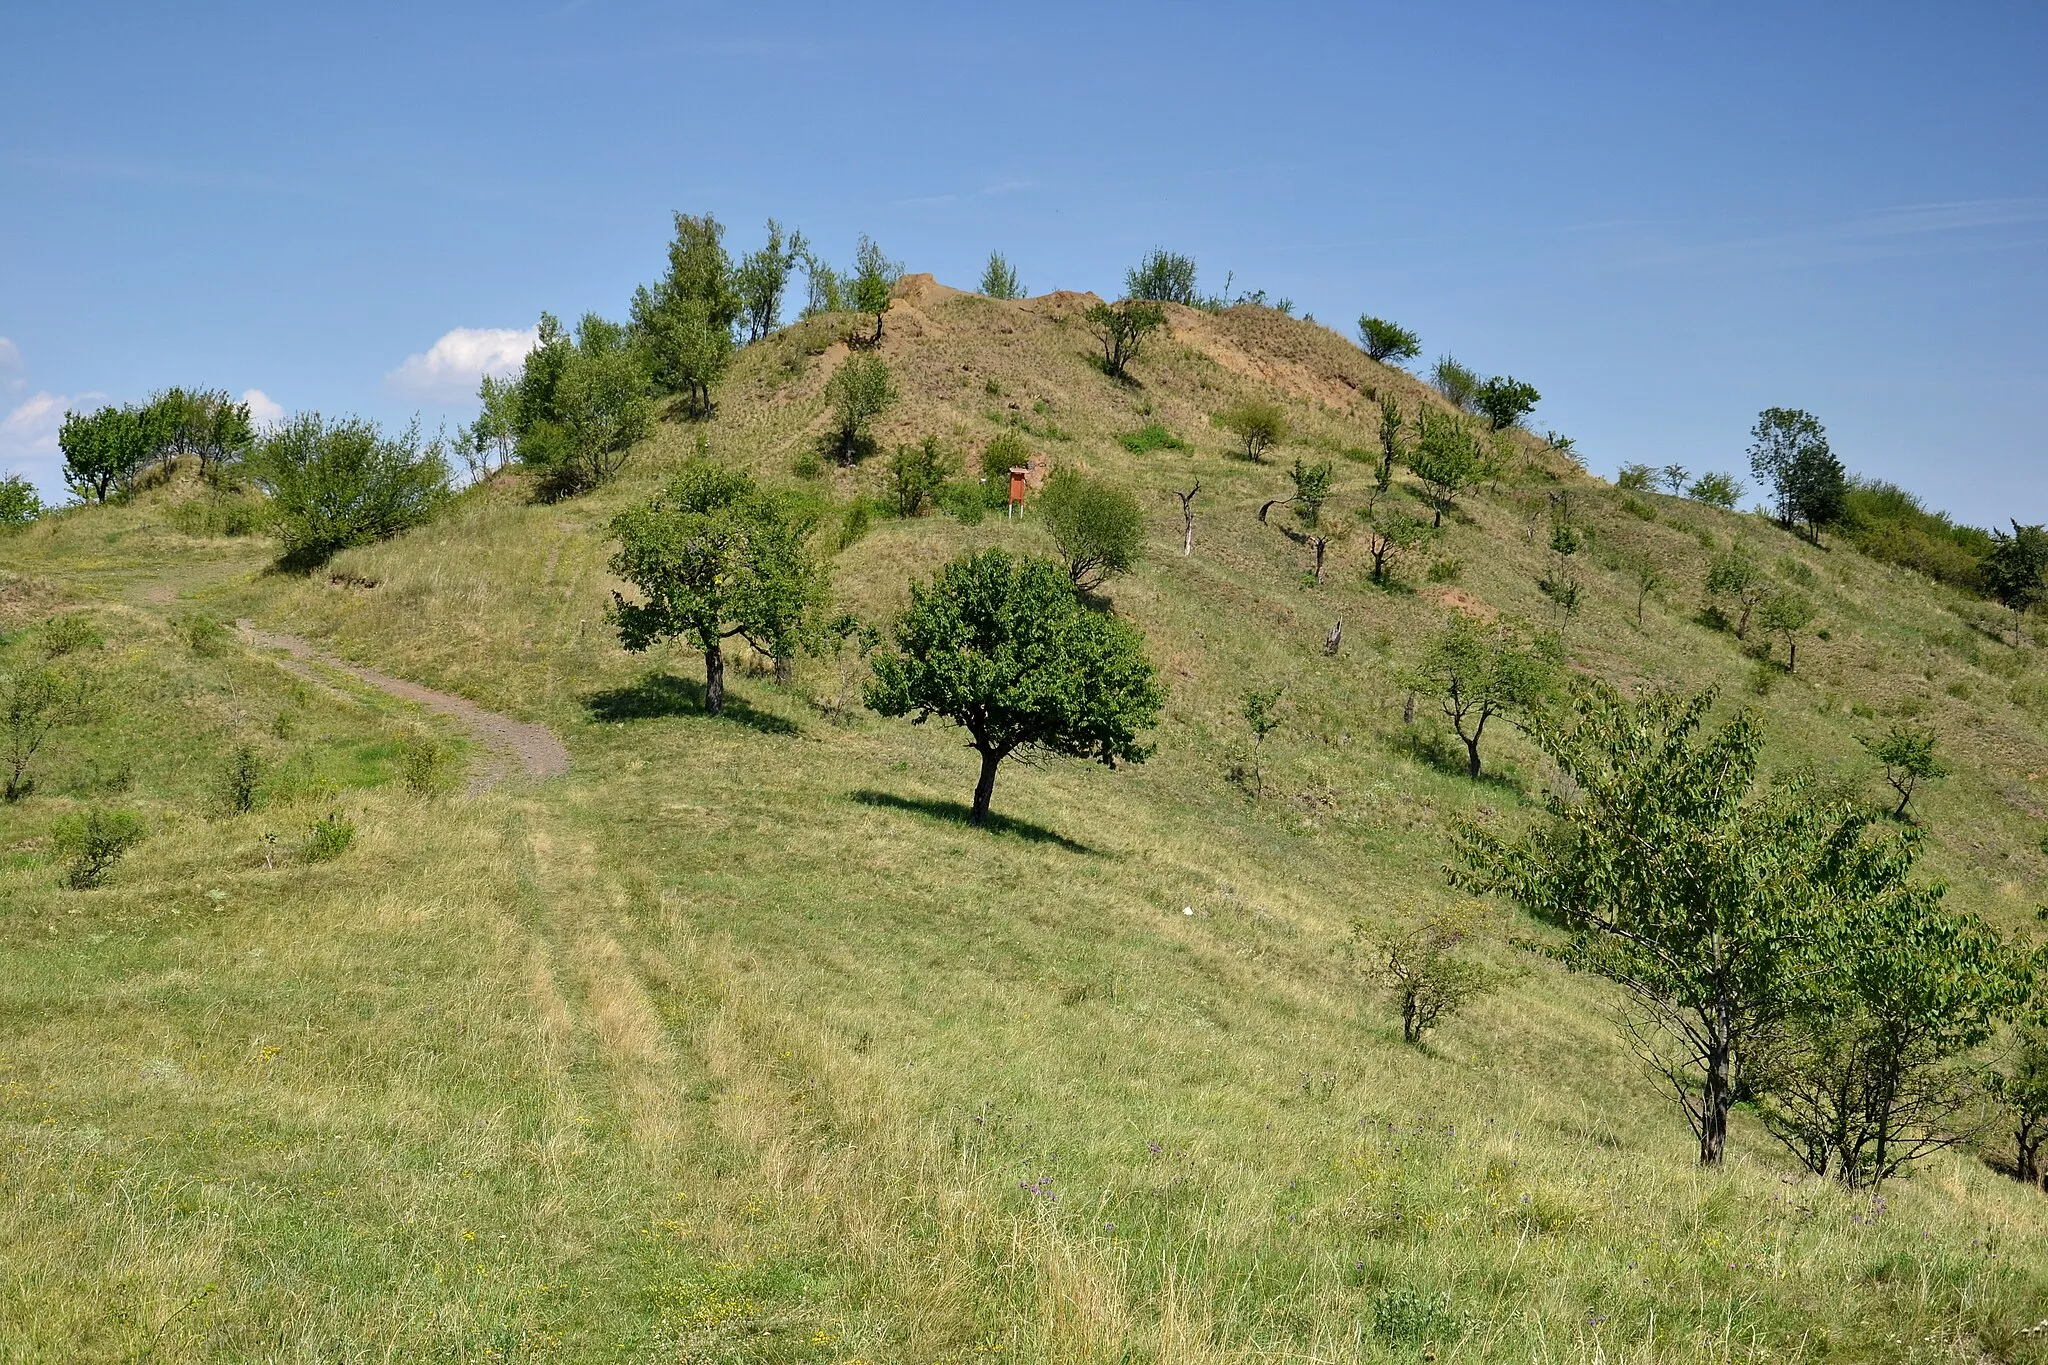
736 1043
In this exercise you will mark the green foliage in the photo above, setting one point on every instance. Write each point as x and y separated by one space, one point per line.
1457 383
1735 581
1635 478
999 278
762 279
241 780
1163 277
916 473
858 520
19 503
1387 342
203 634
1406 1316
1789 455
1004 648
1420 961
1393 449
874 279
858 392
1098 527
1505 400
91 842
1477 672
2021 1093
102 450
32 705
1787 614
1908 753
1717 490
714 556
329 838
426 764
682 329
1447 459
2016 571
202 422
1888 523
1390 533
1260 708
336 484
1123 329
1150 437
1258 425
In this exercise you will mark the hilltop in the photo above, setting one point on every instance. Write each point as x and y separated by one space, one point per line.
734 1042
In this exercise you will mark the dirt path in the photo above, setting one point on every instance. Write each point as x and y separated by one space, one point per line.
534 747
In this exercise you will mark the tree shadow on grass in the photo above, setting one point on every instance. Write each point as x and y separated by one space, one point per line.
659 695
958 812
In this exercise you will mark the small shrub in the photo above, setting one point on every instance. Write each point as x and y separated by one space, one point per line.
71 633
330 838
203 635
1150 437
1163 277
1634 478
1099 529
241 777
92 842
425 764
966 499
1449 569
1402 1314
1257 424
859 391
807 465
859 520
1456 382
19 503
916 473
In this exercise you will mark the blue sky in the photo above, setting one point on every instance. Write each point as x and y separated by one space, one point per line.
1664 216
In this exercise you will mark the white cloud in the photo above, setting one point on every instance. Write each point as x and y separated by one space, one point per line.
450 368
28 437
264 410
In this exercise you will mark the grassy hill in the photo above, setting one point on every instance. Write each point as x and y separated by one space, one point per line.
736 1043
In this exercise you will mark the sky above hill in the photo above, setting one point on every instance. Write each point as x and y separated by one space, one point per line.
1666 217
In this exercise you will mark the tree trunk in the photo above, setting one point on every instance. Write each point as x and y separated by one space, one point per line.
986 787
1187 539
714 679
1905 795
1791 655
1472 755
1321 546
785 670
1742 623
1716 1099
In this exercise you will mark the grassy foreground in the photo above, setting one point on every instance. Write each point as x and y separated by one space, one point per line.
737 1044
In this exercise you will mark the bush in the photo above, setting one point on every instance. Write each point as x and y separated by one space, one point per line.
1151 437
426 764
999 278
1256 423
859 520
92 843
329 839
1455 382
1634 478
1099 529
1122 329
19 504
1505 400
1163 277
1387 342
859 391
967 499
203 635
333 485
1717 490
916 473
241 778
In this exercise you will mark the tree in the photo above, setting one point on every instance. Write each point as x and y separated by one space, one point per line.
859 391
1419 960
1163 277
1257 424
19 503
1735 575
1260 707
1392 449
1635 477
1714 909
1674 478
999 278
1187 518
1505 400
93 841
102 450
874 280
1003 647
206 423
1312 484
1387 342
763 278
1458 383
2021 1091
1717 490
1788 453
1476 674
715 557
602 404
916 473
1446 458
488 444
31 706
1649 578
1390 533
342 483
1908 754
1865 1079
2016 571
1098 528
684 323
1123 329
1787 614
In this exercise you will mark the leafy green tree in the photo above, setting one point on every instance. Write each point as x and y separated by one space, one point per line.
1260 707
91 842
1447 459
1163 277
825 288
1713 908
1717 490
999 278
1003 647
684 323
1787 614
1735 577
1789 454
488 444
1908 754
1123 328
1457 383
1635 477
1097 527
1312 484
1649 578
714 557
1258 425
1674 477
1505 400
2021 1092
874 280
1390 533
336 484
31 706
858 392
1867 1076
103 450
762 279
1393 450
1421 961
2016 571
917 473
602 406
1387 342
1476 673
19 502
